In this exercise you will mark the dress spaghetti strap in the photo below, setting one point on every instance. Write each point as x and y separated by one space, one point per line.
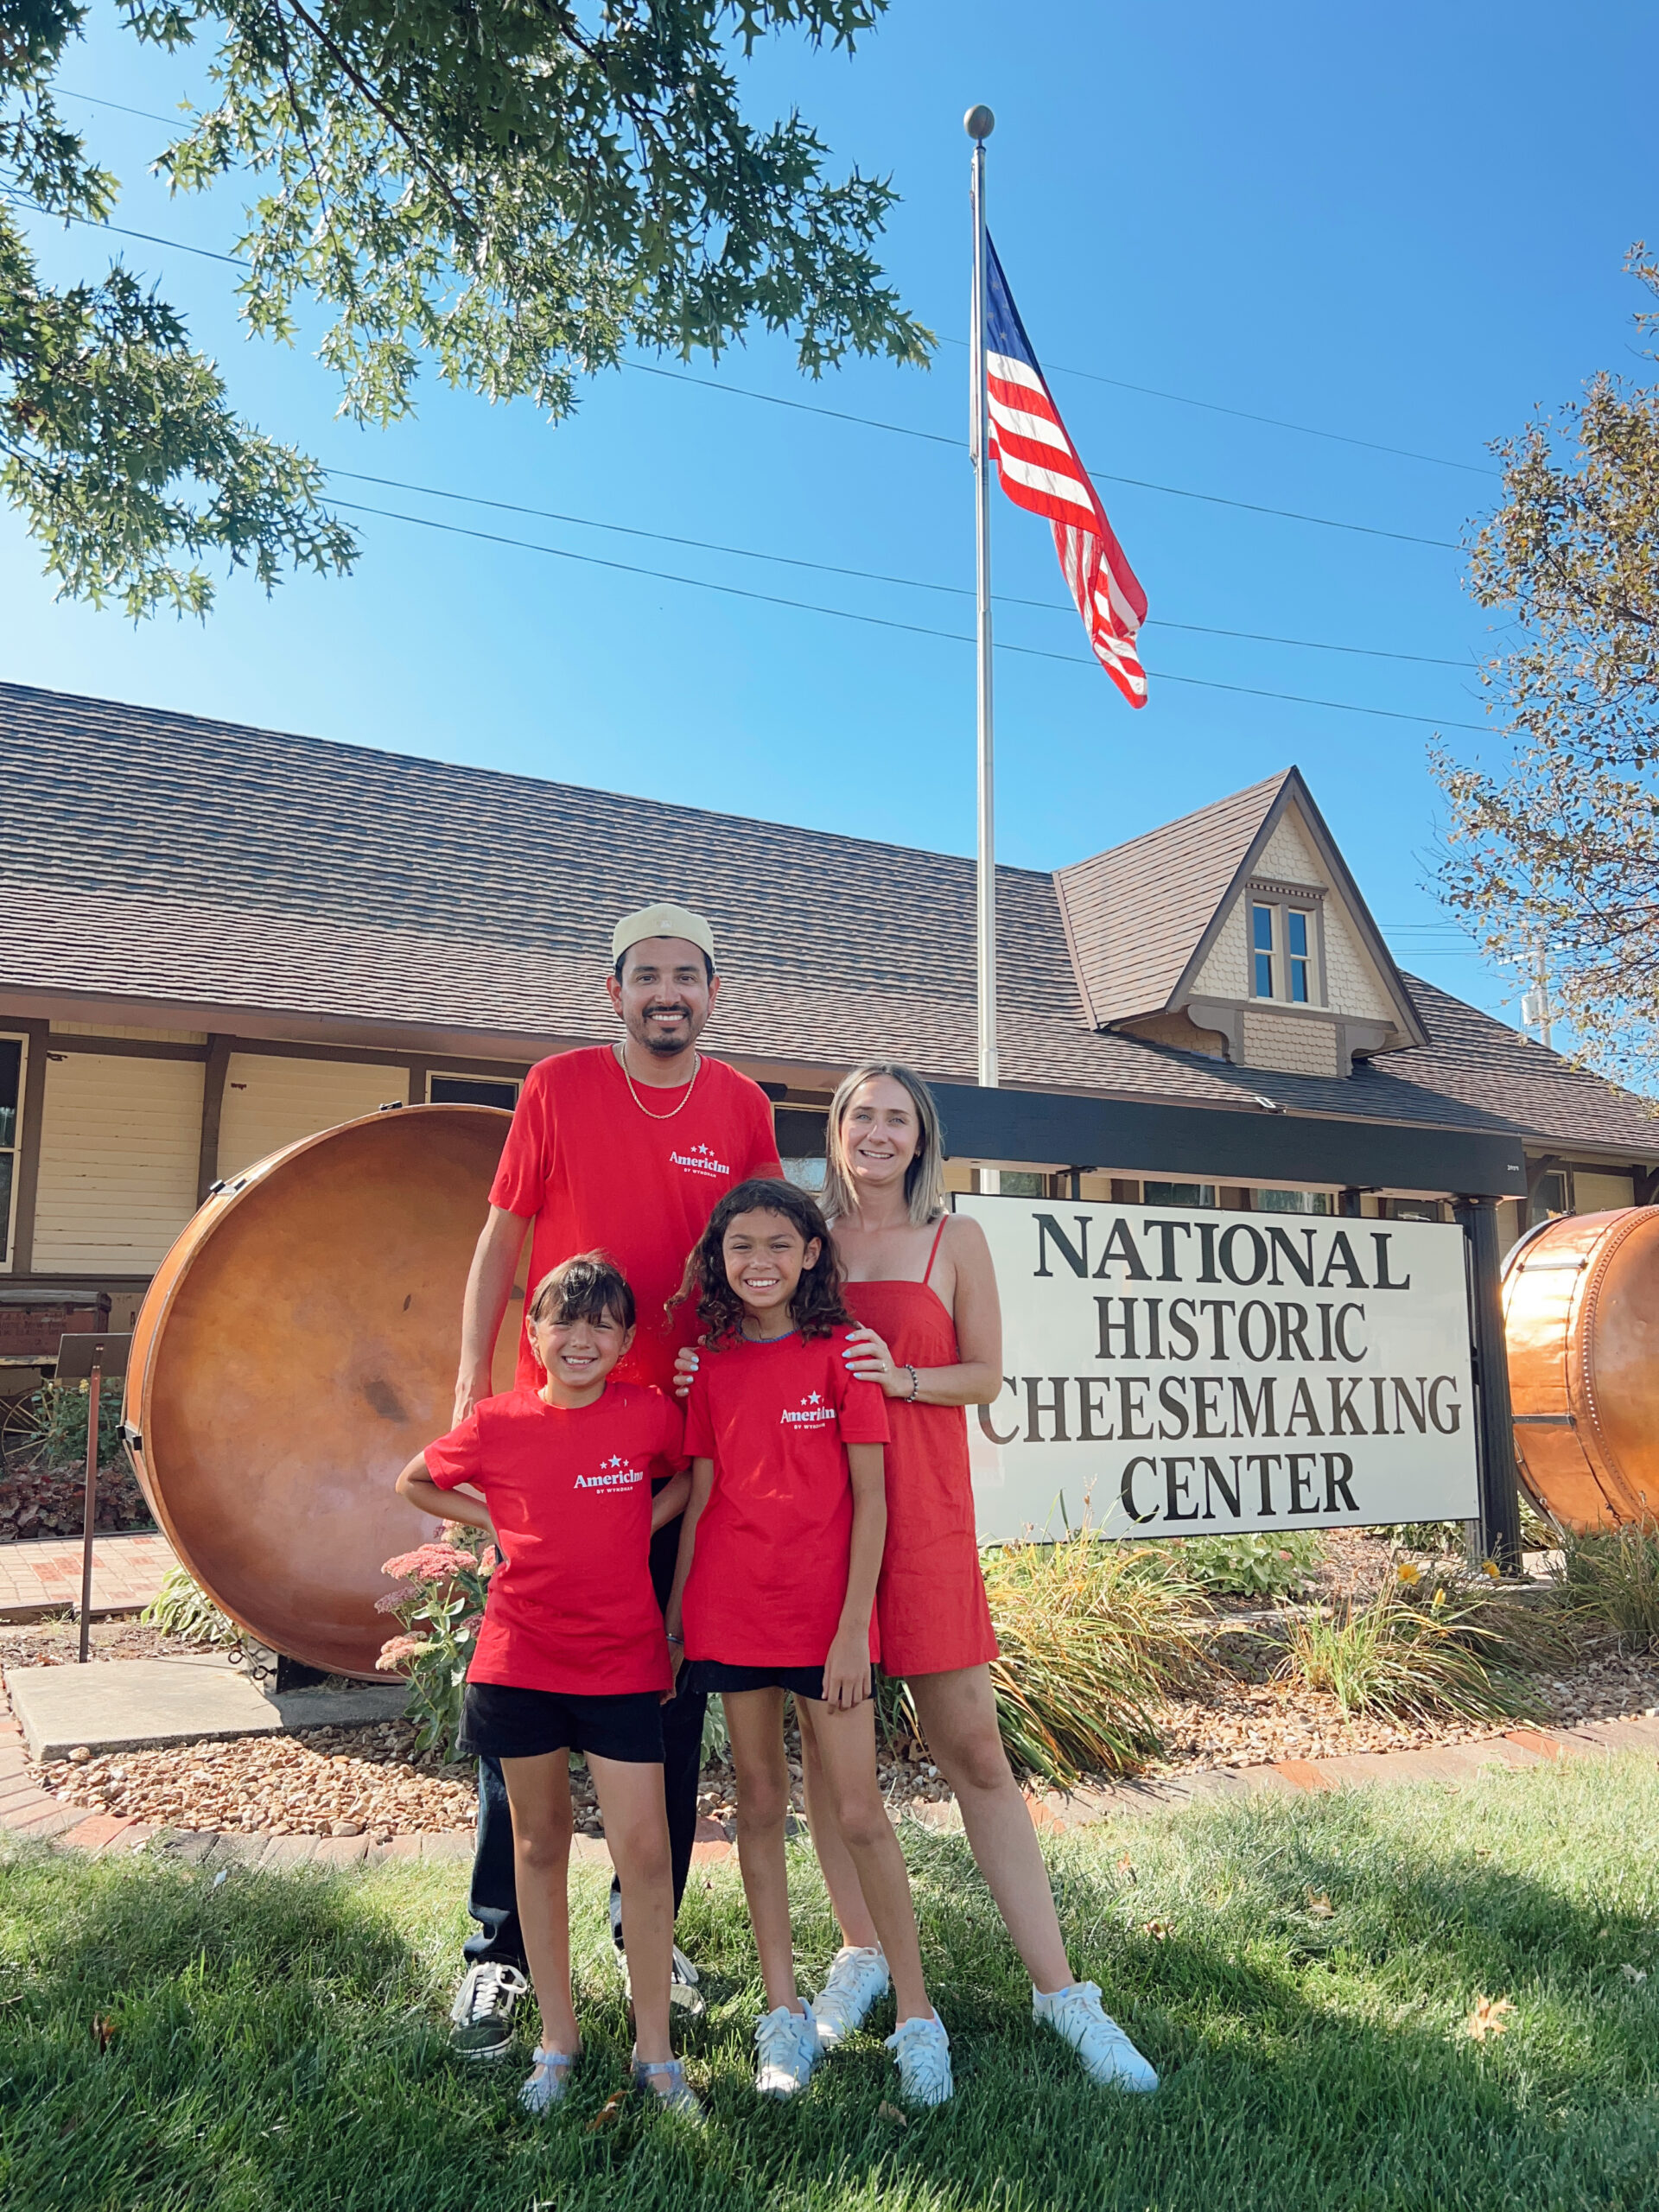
927 1271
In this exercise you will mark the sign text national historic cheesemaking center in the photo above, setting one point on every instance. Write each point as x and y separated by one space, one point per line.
1170 1373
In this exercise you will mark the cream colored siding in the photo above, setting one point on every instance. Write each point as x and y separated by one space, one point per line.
1296 1046
1288 854
1600 1193
120 1144
272 1102
1226 971
1352 985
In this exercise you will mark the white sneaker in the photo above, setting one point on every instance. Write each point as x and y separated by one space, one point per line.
788 2043
683 1988
858 1976
1108 2057
921 2049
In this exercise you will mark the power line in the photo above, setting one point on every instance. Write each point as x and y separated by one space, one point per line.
1105 475
1058 368
1243 415
148 114
841 415
866 575
94 223
881 622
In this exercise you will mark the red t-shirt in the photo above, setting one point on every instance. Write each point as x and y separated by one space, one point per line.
599 1173
570 1608
769 1574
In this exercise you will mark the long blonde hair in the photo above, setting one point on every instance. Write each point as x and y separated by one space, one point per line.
924 1178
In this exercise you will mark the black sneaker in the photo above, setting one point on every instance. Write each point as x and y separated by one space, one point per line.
482 2011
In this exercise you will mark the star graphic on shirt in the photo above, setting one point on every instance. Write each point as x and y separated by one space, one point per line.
813 1399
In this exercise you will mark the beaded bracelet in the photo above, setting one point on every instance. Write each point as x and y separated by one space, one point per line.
915 1383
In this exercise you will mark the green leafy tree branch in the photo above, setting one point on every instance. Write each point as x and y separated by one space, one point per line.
515 193
1553 855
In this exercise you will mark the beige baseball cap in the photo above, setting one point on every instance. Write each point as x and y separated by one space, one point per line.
664 919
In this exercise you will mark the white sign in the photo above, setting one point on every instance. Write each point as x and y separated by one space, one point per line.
1170 1374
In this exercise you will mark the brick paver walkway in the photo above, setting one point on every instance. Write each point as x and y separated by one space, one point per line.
27 1809
41 1577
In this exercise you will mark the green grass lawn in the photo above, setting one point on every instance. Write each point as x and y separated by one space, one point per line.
279 2041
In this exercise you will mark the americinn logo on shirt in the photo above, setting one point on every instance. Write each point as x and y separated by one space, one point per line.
615 1474
702 1160
815 1411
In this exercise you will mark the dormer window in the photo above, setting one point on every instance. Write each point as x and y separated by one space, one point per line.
1297 940
1261 934
1285 954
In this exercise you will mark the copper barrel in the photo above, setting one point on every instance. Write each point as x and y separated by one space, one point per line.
297 1346
1581 1320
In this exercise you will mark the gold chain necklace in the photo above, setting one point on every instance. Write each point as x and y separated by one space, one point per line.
696 1069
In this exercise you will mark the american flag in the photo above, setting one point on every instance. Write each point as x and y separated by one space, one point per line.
1040 469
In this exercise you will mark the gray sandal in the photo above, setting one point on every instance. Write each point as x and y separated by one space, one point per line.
665 2079
548 2081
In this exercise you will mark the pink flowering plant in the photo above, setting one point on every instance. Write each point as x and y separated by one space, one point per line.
439 1603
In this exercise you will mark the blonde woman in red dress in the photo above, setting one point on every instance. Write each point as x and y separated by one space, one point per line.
921 1281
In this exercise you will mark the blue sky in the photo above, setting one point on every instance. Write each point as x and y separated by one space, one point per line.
1403 227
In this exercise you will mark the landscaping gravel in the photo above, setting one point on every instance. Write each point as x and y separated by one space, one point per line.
327 1782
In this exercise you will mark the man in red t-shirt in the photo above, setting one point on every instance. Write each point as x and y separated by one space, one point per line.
622 1149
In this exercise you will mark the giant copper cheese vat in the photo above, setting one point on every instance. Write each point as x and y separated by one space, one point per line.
298 1347
1581 1320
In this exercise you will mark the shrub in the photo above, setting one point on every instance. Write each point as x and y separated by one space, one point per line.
1452 1651
1425 1535
182 1608
48 1429
1611 1579
716 1737
1094 1636
1259 1565
439 1601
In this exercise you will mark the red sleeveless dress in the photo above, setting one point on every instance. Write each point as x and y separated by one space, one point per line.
930 1602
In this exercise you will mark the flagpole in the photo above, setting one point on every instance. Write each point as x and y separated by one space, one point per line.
979 123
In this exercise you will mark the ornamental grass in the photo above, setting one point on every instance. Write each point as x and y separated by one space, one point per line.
1423 1647
1610 1579
182 1608
1094 1637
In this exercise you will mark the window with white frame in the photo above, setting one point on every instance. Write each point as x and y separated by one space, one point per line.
1285 962
12 1050
1298 938
1261 936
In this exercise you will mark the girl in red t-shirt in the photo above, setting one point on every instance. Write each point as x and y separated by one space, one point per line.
571 1655
774 1593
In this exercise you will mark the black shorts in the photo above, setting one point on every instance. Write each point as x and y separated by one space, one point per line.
704 1676
501 1722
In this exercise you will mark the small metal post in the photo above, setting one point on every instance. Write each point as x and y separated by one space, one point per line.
89 1523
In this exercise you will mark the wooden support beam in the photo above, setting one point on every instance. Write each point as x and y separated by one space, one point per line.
29 1152
219 1048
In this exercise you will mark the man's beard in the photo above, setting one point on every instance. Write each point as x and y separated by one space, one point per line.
665 1047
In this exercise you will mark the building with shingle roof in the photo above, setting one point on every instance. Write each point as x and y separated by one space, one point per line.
215 940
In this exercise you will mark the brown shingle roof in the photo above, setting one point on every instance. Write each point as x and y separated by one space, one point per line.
151 857
1134 916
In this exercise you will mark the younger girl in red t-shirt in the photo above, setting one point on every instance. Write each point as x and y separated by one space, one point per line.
775 1589
571 1655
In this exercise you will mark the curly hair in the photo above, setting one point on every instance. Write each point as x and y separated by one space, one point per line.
817 1306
